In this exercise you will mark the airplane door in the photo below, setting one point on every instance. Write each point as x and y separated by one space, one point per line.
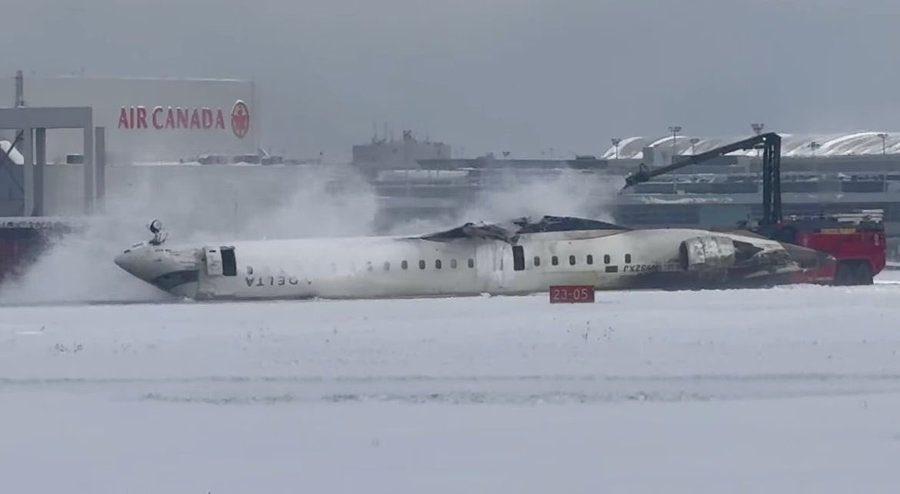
213 261
518 258
506 264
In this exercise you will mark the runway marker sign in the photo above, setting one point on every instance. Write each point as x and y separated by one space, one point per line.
572 294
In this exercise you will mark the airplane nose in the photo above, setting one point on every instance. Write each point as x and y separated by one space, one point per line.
173 271
133 263
121 260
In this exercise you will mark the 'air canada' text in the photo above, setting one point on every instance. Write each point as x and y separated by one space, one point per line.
139 117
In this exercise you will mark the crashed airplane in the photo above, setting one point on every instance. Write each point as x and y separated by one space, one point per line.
519 257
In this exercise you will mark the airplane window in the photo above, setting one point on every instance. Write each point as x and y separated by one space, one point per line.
387 266
421 264
554 261
590 259
606 259
571 260
627 258
537 261
404 264
453 263
437 264
471 263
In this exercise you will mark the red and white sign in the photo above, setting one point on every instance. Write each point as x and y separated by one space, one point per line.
201 118
572 294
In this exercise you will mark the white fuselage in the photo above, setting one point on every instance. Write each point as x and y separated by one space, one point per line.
372 267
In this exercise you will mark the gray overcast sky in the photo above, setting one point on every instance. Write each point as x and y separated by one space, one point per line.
493 75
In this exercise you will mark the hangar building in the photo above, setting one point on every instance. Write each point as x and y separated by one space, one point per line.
148 119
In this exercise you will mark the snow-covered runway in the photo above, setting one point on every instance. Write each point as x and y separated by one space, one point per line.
786 389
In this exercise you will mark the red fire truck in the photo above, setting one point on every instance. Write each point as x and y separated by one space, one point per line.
855 240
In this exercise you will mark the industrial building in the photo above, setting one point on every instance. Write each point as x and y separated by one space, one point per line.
387 153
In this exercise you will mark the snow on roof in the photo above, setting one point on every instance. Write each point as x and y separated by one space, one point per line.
845 144
14 155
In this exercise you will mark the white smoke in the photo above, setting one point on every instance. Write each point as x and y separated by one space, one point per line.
571 193
207 206
79 267
567 193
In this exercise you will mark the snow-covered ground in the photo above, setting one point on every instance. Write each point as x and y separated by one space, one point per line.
789 389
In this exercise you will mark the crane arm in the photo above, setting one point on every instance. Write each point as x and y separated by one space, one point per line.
770 143
644 173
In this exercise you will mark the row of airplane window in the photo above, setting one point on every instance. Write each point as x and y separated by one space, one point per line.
589 259
554 260
229 265
438 264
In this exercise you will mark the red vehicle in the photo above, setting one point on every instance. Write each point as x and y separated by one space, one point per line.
23 239
855 241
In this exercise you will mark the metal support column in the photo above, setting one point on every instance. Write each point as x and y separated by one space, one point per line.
33 122
777 215
40 159
27 150
100 159
89 170
767 184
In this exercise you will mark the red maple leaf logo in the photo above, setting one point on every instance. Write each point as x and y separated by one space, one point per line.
240 119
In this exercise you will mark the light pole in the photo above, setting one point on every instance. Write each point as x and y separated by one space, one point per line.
883 137
674 129
694 141
615 142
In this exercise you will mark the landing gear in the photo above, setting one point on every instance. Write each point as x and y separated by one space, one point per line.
159 236
864 274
